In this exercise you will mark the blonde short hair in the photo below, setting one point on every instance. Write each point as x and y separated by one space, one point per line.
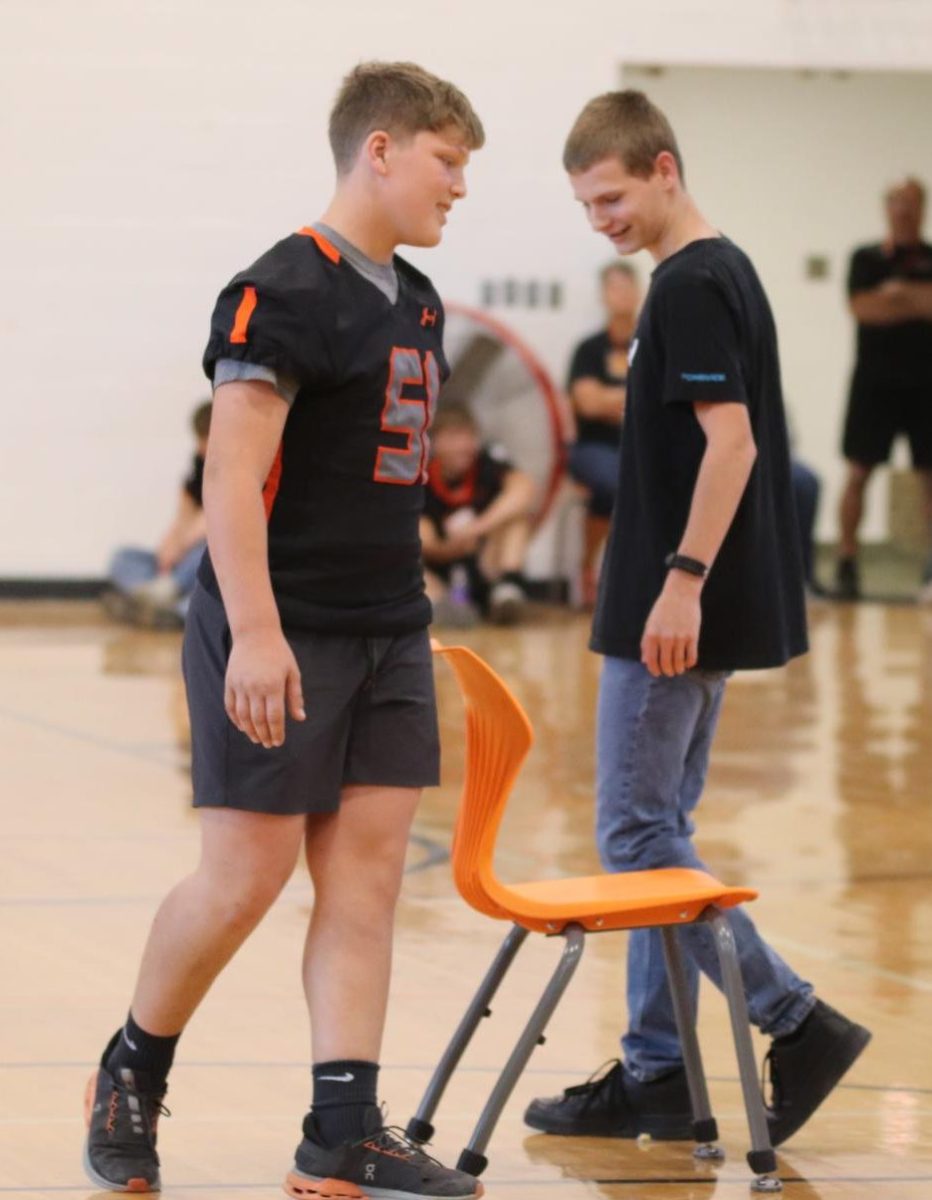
401 98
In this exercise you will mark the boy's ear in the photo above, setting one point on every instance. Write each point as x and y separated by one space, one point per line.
376 149
665 166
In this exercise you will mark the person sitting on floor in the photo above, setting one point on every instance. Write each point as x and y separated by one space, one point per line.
476 525
152 587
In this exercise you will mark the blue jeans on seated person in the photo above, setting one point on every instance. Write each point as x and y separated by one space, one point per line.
132 565
653 742
595 466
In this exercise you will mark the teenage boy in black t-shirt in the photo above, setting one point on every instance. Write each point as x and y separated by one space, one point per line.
306 655
701 578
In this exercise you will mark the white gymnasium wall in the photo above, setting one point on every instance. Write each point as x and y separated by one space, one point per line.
151 148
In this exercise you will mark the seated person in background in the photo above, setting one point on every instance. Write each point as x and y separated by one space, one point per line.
149 587
476 525
596 385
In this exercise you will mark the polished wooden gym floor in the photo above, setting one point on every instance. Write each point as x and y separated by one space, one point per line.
820 795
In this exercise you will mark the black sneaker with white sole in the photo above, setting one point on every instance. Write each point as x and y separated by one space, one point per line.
122 1112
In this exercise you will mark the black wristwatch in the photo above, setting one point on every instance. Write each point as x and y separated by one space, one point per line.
682 562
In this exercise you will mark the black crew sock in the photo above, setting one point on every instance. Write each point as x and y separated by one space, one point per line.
140 1051
514 577
345 1099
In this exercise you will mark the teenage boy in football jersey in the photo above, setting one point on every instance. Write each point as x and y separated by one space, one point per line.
702 577
306 655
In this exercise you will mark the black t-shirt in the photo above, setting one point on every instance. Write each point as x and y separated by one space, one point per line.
194 482
592 359
345 494
901 354
705 334
481 484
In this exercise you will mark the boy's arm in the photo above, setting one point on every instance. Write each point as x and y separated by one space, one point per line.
262 674
670 644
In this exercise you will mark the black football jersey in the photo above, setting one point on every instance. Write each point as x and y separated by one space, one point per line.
346 491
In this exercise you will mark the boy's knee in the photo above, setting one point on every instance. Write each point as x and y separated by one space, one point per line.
245 902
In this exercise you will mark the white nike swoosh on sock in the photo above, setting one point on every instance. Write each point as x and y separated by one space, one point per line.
132 1045
347 1078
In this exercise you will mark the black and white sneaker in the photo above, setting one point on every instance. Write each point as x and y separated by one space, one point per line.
121 1113
382 1165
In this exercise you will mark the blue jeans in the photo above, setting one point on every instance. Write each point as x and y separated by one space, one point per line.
653 742
131 566
806 488
595 465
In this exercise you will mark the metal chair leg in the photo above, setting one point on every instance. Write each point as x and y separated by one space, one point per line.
705 1129
761 1158
419 1128
473 1158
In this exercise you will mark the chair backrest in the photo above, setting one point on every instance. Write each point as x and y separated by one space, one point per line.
498 737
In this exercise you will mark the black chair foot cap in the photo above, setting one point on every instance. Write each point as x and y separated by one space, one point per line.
419 1131
472 1163
762 1162
705 1131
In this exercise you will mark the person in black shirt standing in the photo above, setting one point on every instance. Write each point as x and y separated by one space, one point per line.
596 385
702 577
890 296
326 357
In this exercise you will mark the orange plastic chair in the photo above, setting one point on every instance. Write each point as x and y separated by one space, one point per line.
498 738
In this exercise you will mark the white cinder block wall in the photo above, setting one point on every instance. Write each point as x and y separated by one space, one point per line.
151 149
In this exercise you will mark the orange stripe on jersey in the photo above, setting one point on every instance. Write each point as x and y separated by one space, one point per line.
326 248
247 306
271 485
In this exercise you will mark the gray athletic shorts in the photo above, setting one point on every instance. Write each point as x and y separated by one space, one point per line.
371 719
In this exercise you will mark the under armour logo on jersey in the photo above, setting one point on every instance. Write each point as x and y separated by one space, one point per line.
428 316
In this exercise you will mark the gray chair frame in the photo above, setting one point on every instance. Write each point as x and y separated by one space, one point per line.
761 1158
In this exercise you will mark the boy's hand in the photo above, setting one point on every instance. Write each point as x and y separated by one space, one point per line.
262 678
670 644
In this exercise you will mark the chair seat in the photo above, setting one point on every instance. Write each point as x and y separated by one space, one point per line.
628 900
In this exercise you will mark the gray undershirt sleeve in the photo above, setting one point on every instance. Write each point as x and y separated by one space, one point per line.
231 370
